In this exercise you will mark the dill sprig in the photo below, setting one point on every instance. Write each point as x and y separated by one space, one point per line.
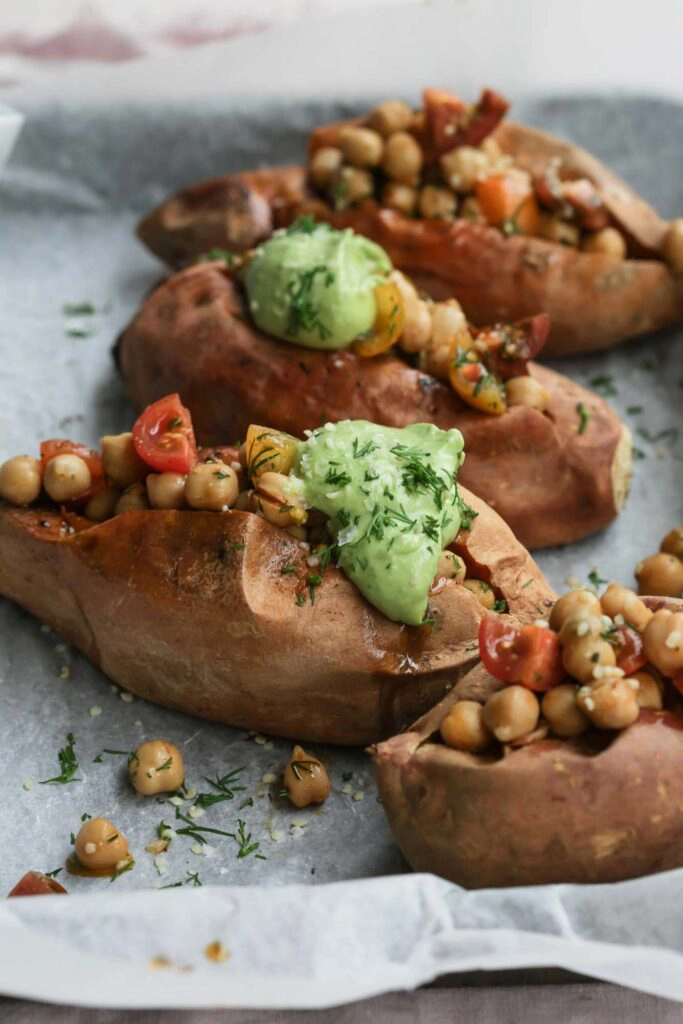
225 788
244 841
68 763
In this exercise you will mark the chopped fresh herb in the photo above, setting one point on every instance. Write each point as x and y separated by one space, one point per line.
347 776
500 606
313 581
218 254
604 383
670 435
584 416
195 831
78 332
364 449
248 802
225 788
122 753
113 837
300 600
126 865
288 570
72 839
431 528
337 478
78 309
303 766
429 621
193 879
634 410
67 762
369 476
302 226
243 840
419 475
303 315
166 765
467 515
595 579
53 874
527 584
649 363
638 453
86 816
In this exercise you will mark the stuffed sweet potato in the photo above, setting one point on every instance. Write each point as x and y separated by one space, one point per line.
505 217
575 782
555 474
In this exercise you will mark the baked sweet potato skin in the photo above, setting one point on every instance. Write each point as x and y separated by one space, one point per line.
551 484
192 610
602 808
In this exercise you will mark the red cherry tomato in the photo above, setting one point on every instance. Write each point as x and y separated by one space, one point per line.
630 654
454 123
61 446
164 438
35 883
529 655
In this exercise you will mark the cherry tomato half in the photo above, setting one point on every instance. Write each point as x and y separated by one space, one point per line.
529 655
35 883
629 651
164 438
61 446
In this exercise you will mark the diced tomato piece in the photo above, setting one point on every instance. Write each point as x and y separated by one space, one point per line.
452 122
509 347
585 199
630 653
164 438
61 446
528 655
507 201
35 883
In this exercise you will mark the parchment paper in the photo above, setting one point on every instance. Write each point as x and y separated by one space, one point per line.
81 175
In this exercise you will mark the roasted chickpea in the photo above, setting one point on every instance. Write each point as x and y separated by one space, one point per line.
663 641
526 391
482 591
611 703
350 186
650 691
451 566
618 600
579 624
557 230
463 727
493 151
66 477
306 779
511 713
402 159
463 166
437 203
471 210
133 499
361 147
323 166
166 490
21 479
417 325
449 331
156 767
584 655
100 846
299 532
561 710
212 486
673 542
572 602
402 198
660 574
275 490
390 116
102 505
120 461
608 241
673 246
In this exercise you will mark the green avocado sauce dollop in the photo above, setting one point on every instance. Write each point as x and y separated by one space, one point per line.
392 499
314 286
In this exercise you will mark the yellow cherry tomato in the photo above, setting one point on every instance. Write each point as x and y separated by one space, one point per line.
475 384
388 325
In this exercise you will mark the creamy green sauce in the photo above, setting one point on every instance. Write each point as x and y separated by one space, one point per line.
314 286
392 500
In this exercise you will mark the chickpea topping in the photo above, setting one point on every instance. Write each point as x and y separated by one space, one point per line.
156 767
402 159
526 391
66 477
673 246
511 713
100 845
166 490
660 574
463 166
571 602
672 544
120 461
611 703
417 327
587 655
276 501
608 241
102 505
437 202
351 185
451 566
463 727
21 479
361 147
212 486
579 624
323 166
618 600
556 230
663 641
390 116
561 710
449 330
649 692
490 146
306 779
482 591
471 210
401 198
133 499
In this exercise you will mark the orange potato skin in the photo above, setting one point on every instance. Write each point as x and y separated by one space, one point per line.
191 610
192 335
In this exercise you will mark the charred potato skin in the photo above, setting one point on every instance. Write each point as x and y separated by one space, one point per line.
551 484
590 810
191 610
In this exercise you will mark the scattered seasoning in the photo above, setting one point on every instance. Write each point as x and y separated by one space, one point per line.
649 363
500 606
604 384
123 866
303 315
216 952
243 840
196 832
304 225
595 579
86 817
288 570
67 762
53 874
347 776
78 309
249 802
584 417
225 788
670 435
634 410
113 753
638 453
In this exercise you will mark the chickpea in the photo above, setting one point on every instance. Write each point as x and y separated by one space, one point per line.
618 600
402 159
650 691
323 166
463 727
526 391
277 501
437 203
166 490
673 542
482 591
417 327
156 767
673 246
584 655
462 167
511 713
21 479
361 147
133 499
351 185
100 846
390 116
611 703
212 486
299 532
449 330
451 566
557 230
490 147
471 210
579 624
660 574
561 710
306 779
120 461
401 198
571 602
66 477
663 641
608 241
102 505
